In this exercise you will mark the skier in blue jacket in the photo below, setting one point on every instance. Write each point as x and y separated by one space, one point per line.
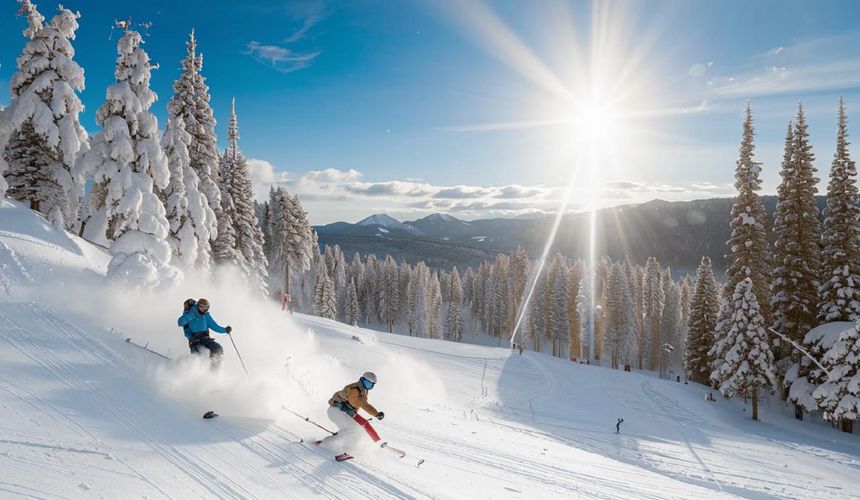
196 323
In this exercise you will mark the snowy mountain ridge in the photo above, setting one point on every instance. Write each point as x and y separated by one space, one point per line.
87 414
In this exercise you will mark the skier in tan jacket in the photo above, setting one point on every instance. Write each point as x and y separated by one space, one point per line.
345 403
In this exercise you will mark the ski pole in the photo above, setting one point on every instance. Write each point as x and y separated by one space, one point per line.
307 419
237 353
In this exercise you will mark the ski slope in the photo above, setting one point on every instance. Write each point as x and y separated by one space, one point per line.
84 414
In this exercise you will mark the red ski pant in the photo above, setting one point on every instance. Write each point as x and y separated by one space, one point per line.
367 427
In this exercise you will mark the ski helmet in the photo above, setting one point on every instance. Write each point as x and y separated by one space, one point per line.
370 376
203 304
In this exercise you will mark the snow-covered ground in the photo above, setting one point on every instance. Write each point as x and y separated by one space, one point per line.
85 414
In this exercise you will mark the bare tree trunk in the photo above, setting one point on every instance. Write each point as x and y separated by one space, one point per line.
846 425
755 405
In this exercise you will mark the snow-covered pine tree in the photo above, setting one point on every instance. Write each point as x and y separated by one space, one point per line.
838 296
498 309
559 318
188 212
45 135
224 248
653 298
453 318
574 281
749 250
389 295
127 159
636 282
434 305
620 335
794 289
237 192
583 308
351 309
704 308
324 297
839 396
370 289
480 296
191 102
292 241
749 363
414 313
469 279
670 325
537 317
520 271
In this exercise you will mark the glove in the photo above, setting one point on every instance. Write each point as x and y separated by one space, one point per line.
347 409
229 329
380 416
188 304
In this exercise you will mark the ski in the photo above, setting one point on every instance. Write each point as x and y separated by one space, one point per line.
398 452
210 414
343 457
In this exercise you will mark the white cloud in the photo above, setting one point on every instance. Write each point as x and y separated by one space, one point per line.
332 194
279 57
814 64
263 176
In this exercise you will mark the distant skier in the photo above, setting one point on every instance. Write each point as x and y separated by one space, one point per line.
196 322
618 425
345 403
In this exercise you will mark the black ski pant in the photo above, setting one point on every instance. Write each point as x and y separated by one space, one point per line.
215 349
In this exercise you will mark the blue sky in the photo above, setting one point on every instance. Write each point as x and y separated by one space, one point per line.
418 106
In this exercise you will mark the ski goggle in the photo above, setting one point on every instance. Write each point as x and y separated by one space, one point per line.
367 383
203 308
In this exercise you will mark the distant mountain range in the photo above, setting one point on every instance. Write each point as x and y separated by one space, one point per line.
677 233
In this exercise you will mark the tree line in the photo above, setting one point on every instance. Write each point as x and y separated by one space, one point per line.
162 203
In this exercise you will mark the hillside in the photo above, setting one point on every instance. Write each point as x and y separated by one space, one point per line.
677 233
85 414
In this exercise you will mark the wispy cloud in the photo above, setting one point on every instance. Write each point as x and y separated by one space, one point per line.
809 65
285 56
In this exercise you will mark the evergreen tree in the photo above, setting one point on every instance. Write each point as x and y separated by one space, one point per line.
670 325
748 246
654 298
748 365
583 308
797 229
620 335
324 296
838 296
237 201
128 161
433 303
352 312
191 102
537 315
839 395
389 295
559 318
704 309
188 211
574 281
292 244
453 320
45 135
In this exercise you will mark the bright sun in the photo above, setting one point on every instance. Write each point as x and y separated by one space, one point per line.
596 122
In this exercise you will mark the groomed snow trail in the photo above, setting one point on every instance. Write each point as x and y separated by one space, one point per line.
85 415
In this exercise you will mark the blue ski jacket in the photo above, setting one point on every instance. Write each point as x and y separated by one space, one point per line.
193 322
